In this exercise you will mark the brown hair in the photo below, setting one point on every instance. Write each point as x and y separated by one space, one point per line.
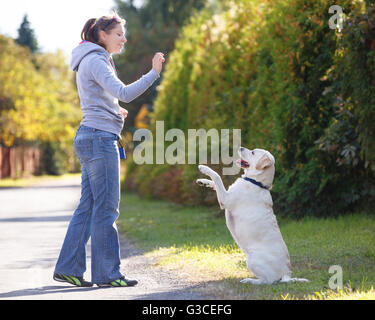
90 31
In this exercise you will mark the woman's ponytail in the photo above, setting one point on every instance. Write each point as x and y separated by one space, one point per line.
89 32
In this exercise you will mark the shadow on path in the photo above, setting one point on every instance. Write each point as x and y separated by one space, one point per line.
39 219
177 294
44 290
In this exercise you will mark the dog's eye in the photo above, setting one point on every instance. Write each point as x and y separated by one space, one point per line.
252 152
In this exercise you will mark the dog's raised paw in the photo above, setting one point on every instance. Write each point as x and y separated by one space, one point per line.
205 183
200 182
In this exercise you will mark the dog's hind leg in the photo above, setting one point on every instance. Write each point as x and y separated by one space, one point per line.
254 281
287 278
259 265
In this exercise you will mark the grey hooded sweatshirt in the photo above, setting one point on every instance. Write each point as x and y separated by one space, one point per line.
99 88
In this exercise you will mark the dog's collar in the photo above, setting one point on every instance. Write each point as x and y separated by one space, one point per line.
259 184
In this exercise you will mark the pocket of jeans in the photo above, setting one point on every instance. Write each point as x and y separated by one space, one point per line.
108 137
84 149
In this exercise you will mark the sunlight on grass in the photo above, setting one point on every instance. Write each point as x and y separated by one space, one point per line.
343 294
205 262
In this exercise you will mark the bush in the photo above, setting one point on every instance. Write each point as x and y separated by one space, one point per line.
53 159
277 72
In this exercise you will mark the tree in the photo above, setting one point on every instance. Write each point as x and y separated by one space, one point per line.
26 36
38 103
150 28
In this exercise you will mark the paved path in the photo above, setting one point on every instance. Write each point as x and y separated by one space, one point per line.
33 222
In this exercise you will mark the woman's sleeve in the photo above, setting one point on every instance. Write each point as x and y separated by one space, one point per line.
105 76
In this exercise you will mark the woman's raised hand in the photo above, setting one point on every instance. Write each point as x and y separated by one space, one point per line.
157 62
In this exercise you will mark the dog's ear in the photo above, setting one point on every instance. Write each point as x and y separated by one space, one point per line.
263 163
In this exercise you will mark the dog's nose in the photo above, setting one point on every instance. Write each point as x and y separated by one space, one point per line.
242 149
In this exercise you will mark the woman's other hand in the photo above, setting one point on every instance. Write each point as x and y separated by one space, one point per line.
157 62
124 112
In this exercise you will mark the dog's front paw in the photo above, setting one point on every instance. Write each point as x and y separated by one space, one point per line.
205 183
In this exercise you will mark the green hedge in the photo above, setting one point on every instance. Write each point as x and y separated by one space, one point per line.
292 85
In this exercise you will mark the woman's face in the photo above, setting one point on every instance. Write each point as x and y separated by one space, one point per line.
115 40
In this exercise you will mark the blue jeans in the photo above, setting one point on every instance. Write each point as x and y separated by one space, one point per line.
97 211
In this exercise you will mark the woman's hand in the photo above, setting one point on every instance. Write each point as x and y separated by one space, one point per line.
157 62
124 112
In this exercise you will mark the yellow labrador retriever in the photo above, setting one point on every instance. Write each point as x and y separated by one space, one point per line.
250 218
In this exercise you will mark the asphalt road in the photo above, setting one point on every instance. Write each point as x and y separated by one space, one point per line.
33 222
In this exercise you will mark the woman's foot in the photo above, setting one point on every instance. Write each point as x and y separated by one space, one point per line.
76 281
122 282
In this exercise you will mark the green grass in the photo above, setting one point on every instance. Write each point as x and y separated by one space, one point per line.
196 242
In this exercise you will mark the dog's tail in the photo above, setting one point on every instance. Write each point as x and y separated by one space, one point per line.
287 278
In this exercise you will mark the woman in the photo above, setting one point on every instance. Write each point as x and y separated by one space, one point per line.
95 144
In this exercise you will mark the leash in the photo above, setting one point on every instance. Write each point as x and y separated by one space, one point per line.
121 149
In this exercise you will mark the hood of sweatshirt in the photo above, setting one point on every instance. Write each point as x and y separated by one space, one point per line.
84 49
